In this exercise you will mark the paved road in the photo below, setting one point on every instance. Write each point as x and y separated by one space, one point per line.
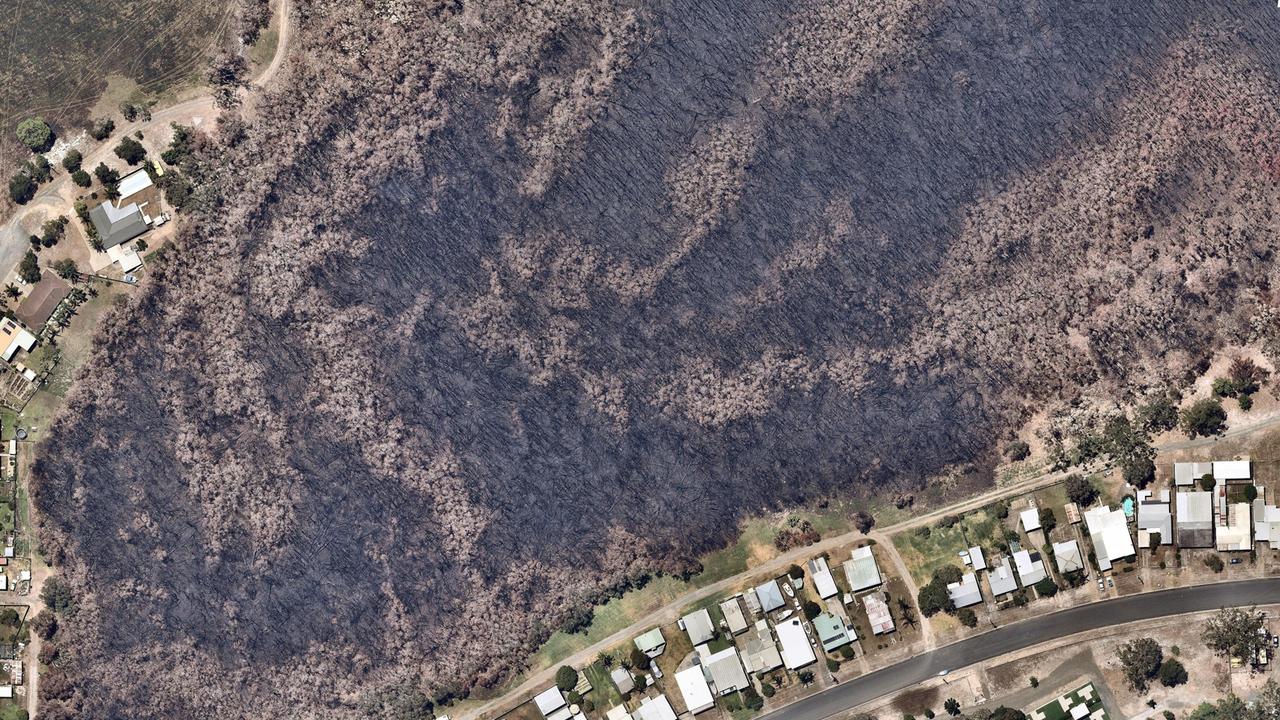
1027 633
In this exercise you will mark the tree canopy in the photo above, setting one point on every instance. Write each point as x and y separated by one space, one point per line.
36 134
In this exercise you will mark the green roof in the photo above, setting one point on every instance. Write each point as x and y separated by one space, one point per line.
650 641
831 631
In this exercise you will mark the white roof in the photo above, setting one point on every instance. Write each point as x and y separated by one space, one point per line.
796 650
699 626
1001 578
1187 473
1195 507
1109 531
733 615
1154 516
822 579
1031 519
726 671
1030 571
655 708
1236 533
1067 555
861 569
694 689
6 691
878 614
1230 469
976 559
965 592
618 712
549 700
134 182
18 336
1266 523
622 678
770 596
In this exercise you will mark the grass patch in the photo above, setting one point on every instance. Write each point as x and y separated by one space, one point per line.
923 554
60 54
1053 709
604 694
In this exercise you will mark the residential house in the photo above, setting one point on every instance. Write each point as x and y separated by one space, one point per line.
796 650
1030 567
760 652
1187 474
698 626
622 678
551 704
1068 557
770 596
973 557
38 306
1194 518
861 569
1225 471
832 632
1001 578
733 616
966 592
617 712
1154 519
651 643
655 708
725 672
694 689
1109 531
878 613
1030 519
14 337
131 215
1234 529
822 580
1266 521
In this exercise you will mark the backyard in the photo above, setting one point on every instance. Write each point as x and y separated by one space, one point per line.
1060 708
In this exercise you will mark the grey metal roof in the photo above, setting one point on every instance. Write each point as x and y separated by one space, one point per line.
117 225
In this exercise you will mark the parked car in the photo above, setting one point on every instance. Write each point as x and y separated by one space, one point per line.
1235 561
1111 583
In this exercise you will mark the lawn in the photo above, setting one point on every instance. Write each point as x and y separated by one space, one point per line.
604 694
1053 709
942 545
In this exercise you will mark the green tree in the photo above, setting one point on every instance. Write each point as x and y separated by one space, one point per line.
1246 402
1207 482
810 609
131 151
1048 520
81 178
638 660
66 268
833 665
36 134
933 599
1008 713
1172 673
1246 376
29 268
39 169
1080 490
1018 450
752 699
1233 632
967 617
566 678
1250 492
71 161
1140 660
1046 587
1138 471
952 706
102 128
1204 418
57 595
795 572
1157 415
21 188
1214 563
1223 387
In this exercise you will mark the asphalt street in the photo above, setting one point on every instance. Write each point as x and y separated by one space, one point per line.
1024 634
